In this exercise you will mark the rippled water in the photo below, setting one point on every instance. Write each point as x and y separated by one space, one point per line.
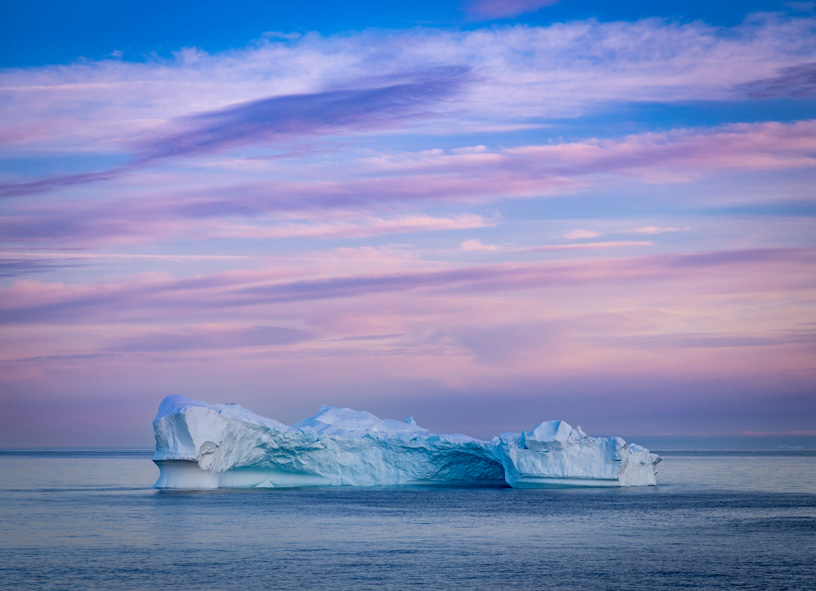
89 520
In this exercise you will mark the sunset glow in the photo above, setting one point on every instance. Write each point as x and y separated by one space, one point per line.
483 214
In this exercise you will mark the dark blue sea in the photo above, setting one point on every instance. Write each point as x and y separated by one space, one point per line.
718 520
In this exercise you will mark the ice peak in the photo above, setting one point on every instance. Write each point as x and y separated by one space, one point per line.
341 418
179 404
333 420
551 431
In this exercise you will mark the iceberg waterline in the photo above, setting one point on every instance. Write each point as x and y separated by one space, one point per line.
201 445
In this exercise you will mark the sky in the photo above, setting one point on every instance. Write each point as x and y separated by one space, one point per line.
481 213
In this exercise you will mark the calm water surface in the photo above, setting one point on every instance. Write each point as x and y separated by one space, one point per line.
89 520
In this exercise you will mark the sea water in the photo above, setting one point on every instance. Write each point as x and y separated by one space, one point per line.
717 520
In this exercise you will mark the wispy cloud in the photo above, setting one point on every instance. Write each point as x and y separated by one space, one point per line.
581 234
356 188
647 230
70 225
583 246
59 182
352 230
155 296
794 81
518 76
490 9
50 255
712 340
653 230
411 95
476 245
15 265
273 119
684 153
210 337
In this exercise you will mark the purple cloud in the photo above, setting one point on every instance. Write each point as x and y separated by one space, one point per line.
490 9
409 96
793 82
58 182
701 260
357 197
152 298
337 111
709 340
195 339
17 267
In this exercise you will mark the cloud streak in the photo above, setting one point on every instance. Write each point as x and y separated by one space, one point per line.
792 82
36 302
277 118
15 266
713 341
366 228
326 113
355 188
495 9
210 338
584 246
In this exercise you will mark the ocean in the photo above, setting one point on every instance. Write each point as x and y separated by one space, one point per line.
89 519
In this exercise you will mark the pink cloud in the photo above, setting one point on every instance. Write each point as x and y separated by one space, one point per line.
584 246
277 118
654 230
368 227
581 234
656 327
475 245
348 193
680 154
153 296
208 337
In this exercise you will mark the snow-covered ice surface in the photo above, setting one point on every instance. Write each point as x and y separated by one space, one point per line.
200 445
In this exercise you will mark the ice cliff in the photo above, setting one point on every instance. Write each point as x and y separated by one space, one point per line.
200 445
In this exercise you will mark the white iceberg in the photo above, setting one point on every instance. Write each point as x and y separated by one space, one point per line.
555 454
200 445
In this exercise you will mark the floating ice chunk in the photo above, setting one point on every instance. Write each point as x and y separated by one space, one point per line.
555 454
200 445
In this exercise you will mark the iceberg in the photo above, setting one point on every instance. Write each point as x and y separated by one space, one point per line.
204 446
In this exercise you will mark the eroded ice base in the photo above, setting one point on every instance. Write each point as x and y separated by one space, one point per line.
188 475
204 446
